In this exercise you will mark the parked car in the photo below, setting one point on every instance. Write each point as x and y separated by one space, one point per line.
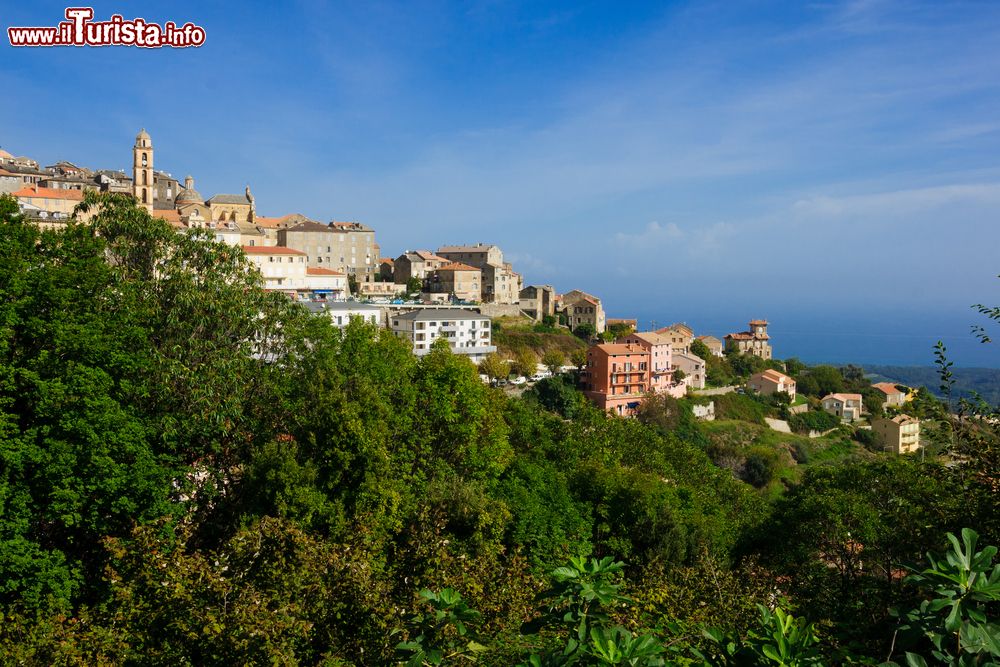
519 380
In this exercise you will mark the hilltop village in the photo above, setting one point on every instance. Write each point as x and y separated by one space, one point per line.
464 295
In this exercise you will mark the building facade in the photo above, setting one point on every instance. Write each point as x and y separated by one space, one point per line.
459 281
341 313
343 246
617 377
468 333
581 308
894 397
846 406
754 341
693 368
713 344
900 434
661 361
771 382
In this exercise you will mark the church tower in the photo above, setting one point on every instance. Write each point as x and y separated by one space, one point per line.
142 170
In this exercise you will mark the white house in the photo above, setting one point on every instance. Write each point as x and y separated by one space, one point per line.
285 270
845 406
342 312
466 331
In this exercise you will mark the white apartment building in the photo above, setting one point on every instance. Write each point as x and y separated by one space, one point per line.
342 312
467 332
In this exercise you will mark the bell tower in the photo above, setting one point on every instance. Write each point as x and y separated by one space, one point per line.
142 170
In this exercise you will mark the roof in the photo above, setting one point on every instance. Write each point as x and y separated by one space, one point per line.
270 250
171 216
844 397
320 271
4 155
618 348
309 226
427 255
457 266
689 357
229 199
887 388
677 326
904 419
774 376
442 314
349 226
50 193
321 306
708 340
387 260
762 323
651 337
479 247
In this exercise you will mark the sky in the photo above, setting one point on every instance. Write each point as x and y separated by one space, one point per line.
830 166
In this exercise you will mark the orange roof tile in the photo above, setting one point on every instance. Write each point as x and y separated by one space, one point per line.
320 271
458 266
270 250
49 193
887 388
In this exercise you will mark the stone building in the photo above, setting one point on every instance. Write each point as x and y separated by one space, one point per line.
232 208
755 341
142 170
460 281
582 308
343 246
538 301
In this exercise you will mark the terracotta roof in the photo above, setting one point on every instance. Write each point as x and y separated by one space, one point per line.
743 335
619 348
50 193
707 340
775 376
904 419
173 217
651 337
758 322
887 388
268 223
844 397
270 250
458 266
480 247
319 271
387 260
427 256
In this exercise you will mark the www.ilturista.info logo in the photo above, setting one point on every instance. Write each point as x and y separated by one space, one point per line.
80 30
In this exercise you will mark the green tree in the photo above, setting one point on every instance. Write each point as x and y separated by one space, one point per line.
525 362
578 357
494 367
586 331
553 359
414 285
699 349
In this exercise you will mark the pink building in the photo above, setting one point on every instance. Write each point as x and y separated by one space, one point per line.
617 376
661 371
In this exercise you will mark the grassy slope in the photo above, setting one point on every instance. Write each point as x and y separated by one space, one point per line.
517 332
745 436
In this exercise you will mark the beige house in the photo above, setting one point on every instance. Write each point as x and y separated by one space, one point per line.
582 308
283 269
681 336
846 406
693 368
342 246
454 279
900 435
48 203
894 397
754 341
771 382
713 344
232 208
479 255
417 264
500 283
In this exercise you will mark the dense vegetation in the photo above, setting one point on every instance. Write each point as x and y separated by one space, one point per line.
196 472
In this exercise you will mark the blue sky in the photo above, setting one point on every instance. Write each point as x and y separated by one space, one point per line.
832 166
